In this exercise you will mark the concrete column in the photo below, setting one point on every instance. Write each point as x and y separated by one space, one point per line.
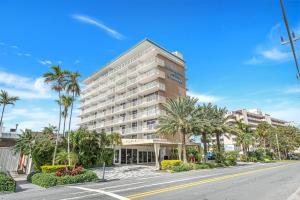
179 151
156 150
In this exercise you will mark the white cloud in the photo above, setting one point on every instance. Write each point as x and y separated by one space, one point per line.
253 61
34 118
77 61
271 50
203 98
293 90
24 87
14 47
45 62
275 54
100 25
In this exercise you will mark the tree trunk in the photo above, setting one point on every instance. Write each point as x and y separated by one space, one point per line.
57 134
204 140
1 126
265 146
64 127
218 142
183 147
69 129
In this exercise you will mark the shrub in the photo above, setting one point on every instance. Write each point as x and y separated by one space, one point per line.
169 164
29 176
182 167
7 183
231 157
52 168
49 179
71 172
211 164
62 157
219 157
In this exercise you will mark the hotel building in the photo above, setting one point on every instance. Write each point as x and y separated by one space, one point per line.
251 117
125 96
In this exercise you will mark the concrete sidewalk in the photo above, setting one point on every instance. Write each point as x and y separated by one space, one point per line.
24 185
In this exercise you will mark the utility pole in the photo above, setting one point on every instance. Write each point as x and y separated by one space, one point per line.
279 156
291 40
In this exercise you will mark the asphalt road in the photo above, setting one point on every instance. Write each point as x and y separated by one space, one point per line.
274 181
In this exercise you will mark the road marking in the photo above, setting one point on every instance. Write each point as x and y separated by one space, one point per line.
217 179
116 186
99 192
80 192
167 182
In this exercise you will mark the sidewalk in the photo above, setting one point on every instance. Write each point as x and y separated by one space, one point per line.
24 185
126 171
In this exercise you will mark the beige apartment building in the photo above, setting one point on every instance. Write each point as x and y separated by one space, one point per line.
252 117
125 96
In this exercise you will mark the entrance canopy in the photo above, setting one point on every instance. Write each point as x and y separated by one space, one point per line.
157 144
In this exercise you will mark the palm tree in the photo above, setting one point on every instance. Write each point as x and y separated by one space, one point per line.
74 88
263 131
5 100
66 102
180 118
206 113
25 142
219 124
245 136
58 80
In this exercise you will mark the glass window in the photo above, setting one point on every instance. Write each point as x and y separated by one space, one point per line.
149 156
117 154
140 157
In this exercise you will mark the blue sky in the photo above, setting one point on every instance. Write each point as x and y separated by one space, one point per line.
232 49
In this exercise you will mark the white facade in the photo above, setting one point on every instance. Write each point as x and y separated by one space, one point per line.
125 95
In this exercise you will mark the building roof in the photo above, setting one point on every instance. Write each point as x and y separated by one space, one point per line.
129 50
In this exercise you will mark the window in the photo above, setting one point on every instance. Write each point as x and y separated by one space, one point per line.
134 126
134 114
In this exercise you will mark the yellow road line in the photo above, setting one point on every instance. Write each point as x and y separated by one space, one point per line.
210 180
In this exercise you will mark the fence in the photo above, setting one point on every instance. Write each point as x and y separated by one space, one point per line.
8 161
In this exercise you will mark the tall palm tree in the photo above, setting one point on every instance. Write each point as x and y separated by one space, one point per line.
66 102
5 100
219 124
74 88
245 136
206 113
263 131
58 80
180 118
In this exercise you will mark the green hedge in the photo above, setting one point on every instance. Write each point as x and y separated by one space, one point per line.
52 168
7 183
49 179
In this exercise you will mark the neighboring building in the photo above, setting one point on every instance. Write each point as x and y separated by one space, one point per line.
125 96
252 117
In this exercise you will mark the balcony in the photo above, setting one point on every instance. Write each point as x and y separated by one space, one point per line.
150 75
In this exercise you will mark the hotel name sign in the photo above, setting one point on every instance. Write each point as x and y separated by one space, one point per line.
174 75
